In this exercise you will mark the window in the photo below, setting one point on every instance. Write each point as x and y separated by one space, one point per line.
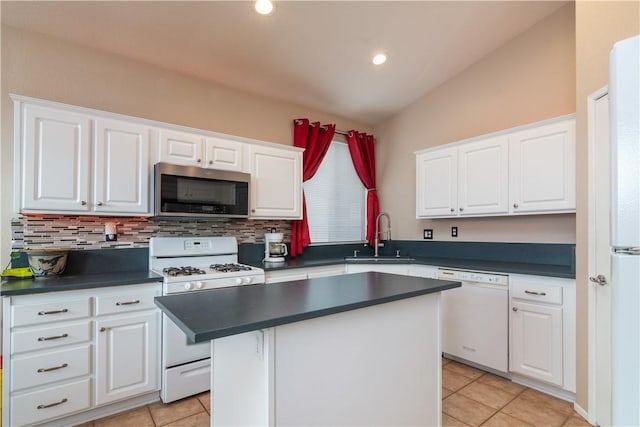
336 199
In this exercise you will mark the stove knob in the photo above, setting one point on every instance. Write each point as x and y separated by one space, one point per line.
238 281
188 286
199 285
248 280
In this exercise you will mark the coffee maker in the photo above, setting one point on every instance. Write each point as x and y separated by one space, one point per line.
274 248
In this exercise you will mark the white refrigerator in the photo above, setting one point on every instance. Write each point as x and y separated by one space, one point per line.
624 98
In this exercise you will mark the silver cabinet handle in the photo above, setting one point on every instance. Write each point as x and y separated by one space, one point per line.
55 337
453 210
515 309
128 302
100 203
535 293
55 368
461 209
515 205
199 160
599 279
52 404
210 162
355 253
44 313
83 203
103 329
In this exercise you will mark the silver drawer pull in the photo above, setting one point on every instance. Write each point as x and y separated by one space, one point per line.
53 404
55 368
535 293
128 302
55 337
43 313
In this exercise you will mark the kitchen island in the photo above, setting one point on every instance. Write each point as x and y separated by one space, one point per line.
358 349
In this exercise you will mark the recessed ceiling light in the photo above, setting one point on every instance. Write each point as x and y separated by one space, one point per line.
379 59
264 7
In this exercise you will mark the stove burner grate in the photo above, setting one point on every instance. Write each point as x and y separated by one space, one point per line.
229 268
182 271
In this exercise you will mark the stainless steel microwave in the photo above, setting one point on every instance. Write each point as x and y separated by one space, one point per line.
190 191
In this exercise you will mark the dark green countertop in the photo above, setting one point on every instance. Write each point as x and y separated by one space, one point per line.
11 287
217 313
550 270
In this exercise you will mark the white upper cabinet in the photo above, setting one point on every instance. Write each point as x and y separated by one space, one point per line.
467 180
180 148
188 149
542 174
56 149
526 171
224 154
276 182
484 167
437 183
67 168
121 181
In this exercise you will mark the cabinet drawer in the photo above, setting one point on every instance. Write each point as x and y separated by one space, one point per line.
46 312
52 402
126 301
537 292
50 366
55 336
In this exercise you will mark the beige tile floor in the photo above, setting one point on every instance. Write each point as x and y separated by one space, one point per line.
470 397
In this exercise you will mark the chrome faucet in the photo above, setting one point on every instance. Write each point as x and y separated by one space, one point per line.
377 238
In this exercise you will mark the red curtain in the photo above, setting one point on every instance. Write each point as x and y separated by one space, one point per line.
315 139
361 147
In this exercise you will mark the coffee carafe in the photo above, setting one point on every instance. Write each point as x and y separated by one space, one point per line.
274 248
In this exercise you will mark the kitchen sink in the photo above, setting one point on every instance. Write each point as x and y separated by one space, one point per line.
379 259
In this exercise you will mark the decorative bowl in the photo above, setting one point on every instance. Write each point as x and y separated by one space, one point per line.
47 262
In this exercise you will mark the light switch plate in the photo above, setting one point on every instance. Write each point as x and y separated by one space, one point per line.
428 234
454 231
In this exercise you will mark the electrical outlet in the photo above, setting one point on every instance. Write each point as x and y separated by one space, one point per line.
454 231
428 233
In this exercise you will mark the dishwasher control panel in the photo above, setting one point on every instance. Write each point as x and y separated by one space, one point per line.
473 276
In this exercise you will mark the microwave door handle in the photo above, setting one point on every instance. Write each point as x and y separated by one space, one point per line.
285 249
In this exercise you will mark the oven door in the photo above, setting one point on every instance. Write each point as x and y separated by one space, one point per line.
176 349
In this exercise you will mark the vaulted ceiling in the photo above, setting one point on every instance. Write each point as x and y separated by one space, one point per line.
312 53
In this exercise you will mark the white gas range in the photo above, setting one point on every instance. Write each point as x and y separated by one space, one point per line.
193 264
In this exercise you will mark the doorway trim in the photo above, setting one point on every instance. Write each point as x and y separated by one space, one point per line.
591 292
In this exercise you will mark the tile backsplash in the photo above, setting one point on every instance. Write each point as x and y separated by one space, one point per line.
88 232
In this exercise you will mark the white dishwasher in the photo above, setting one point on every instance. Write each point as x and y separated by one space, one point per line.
475 318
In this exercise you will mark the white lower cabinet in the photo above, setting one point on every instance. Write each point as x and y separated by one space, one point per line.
277 276
536 341
542 330
68 353
50 403
382 268
127 356
427 271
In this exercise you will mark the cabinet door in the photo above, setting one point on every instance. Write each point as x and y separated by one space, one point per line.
402 269
127 356
121 183
536 341
542 169
483 177
55 162
224 154
181 148
276 183
427 271
437 183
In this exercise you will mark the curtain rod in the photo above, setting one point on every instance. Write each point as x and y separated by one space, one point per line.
338 131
